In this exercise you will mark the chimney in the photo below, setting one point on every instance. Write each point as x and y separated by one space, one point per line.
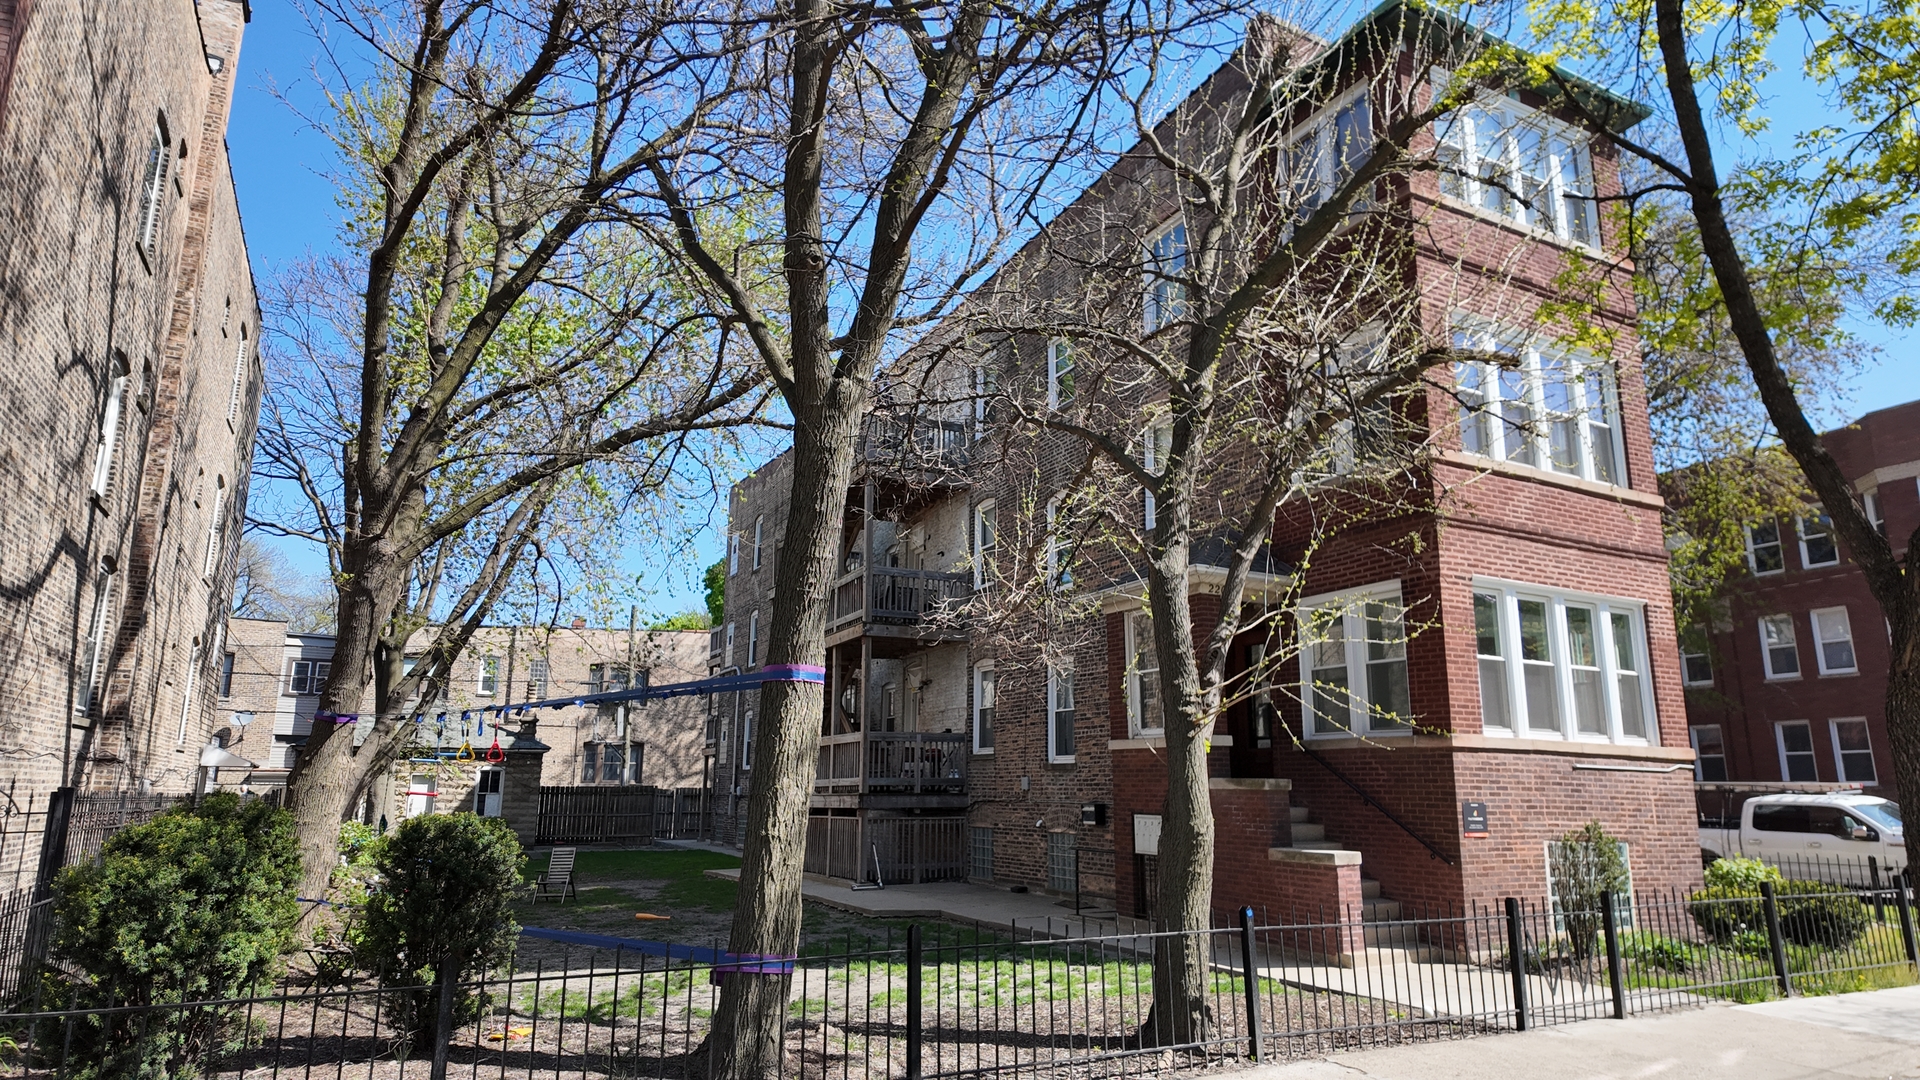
579 623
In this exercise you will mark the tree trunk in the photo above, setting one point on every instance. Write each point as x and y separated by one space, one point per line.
750 1020
1182 1007
1903 732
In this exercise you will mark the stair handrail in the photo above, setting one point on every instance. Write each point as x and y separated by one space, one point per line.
1371 801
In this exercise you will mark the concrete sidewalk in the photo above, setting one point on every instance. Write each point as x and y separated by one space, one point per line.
960 902
1867 1035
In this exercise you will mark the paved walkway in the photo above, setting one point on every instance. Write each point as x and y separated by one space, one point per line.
959 902
1867 1035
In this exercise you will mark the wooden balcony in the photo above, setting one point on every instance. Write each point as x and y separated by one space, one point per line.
910 763
896 597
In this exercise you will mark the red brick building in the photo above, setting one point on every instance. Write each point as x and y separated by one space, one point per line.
1504 639
131 387
1792 684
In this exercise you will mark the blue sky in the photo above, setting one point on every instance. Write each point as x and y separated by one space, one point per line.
287 203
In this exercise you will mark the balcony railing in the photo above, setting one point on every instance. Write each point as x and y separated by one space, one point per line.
889 594
893 761
902 439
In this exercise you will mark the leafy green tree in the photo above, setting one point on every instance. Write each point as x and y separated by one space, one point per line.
1586 865
443 907
195 905
686 620
716 581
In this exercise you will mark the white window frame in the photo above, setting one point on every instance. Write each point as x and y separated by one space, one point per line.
983 389
1062 360
216 529
1870 502
1699 758
1351 607
239 380
1766 654
1156 442
753 638
1800 531
727 659
1605 607
1514 422
1778 543
1841 772
759 527
733 553
983 545
111 418
1328 165
153 188
1139 623
486 676
1163 295
97 638
983 677
1780 744
1059 569
1486 133
746 739
1822 621
1054 683
1705 655
309 682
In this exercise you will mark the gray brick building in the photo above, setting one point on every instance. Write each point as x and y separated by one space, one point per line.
131 387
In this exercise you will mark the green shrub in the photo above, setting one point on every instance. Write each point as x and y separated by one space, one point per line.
195 905
1722 912
1656 950
1742 874
1585 864
443 896
1814 913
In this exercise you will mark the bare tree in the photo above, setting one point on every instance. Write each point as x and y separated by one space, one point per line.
490 349
266 586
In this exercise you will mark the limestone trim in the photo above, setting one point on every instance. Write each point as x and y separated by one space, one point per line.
1504 745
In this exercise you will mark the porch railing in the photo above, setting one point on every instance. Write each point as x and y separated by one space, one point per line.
892 594
897 761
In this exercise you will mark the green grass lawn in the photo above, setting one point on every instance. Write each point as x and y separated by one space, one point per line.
678 876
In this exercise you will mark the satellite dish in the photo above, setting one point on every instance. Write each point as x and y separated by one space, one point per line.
242 719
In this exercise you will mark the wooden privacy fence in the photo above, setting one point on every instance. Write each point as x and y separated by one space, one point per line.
611 815
908 849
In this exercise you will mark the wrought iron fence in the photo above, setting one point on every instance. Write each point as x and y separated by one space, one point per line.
952 1001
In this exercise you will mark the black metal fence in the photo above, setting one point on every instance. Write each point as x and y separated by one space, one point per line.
957 1001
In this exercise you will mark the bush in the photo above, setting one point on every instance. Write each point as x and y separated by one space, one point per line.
197 904
442 899
1655 950
1722 912
1813 913
1585 864
1742 874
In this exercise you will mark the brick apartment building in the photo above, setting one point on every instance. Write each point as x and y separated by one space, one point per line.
131 387
1791 684
1515 624
270 680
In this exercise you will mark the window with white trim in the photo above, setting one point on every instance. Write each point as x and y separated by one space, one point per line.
153 188
746 739
1354 369
1324 151
1764 554
986 535
984 387
1059 548
727 658
1059 714
487 676
1518 164
235 391
307 676
1709 753
985 690
1550 411
1833 641
1778 648
1853 751
1166 292
99 636
1061 356
1816 542
1696 658
1795 741
1155 444
753 638
733 553
111 420
1144 716
1265 716
759 533
1355 644
1559 664
216 528
1870 502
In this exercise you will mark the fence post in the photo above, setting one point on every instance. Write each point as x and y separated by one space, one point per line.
1879 900
913 1002
448 977
1901 883
1517 960
1616 978
1775 941
1256 1040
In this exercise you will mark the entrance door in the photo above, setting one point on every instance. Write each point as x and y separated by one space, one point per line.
486 793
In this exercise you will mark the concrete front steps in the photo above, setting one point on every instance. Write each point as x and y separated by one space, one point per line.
1379 913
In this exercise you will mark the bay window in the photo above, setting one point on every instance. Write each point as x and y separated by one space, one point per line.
1518 164
1549 411
1144 716
1561 665
1326 151
1354 646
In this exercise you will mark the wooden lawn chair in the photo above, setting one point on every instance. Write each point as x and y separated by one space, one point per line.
557 882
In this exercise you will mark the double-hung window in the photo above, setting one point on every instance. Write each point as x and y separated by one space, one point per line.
1816 542
753 638
216 529
1853 751
237 390
984 387
985 689
1060 714
1354 371
1324 153
1061 355
1696 658
1518 164
1795 741
1144 716
111 419
986 535
1355 645
759 534
1554 664
1059 547
1155 444
99 641
1165 286
1709 753
1833 638
153 188
308 676
1552 411
1778 647
1870 502
1764 555
487 676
